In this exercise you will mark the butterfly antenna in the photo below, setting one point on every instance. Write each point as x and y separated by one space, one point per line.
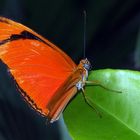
85 18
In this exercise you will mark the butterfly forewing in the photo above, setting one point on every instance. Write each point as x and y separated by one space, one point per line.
38 66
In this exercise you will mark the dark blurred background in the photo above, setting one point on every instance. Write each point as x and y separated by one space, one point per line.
112 41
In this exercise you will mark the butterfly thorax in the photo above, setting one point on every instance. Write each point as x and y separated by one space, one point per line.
84 66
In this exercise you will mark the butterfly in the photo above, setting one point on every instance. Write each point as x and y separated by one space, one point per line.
46 76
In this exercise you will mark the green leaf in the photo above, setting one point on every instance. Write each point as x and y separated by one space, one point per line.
120 111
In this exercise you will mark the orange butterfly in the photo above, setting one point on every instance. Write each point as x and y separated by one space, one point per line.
46 77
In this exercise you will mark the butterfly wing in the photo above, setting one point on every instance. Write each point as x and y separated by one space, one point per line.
38 66
61 104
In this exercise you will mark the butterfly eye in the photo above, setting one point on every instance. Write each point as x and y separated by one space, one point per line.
87 66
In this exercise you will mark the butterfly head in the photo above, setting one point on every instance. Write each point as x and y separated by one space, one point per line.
86 64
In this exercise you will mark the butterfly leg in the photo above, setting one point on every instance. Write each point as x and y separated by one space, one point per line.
90 103
97 83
